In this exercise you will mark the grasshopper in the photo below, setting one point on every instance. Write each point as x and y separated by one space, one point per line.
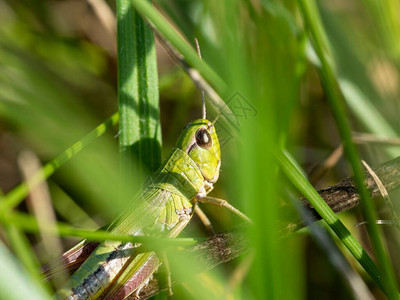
115 270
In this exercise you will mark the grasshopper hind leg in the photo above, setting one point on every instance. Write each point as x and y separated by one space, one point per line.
204 219
136 294
183 221
167 272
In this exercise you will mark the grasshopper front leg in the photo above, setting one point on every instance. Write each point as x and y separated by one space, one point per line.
224 203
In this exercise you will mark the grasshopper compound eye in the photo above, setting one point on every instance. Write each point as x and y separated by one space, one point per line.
203 138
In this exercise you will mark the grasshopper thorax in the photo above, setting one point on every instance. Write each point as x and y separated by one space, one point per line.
199 140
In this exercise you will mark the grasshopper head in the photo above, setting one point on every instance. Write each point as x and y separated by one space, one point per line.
199 140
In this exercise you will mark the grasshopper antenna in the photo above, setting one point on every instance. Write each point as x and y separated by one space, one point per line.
203 116
215 120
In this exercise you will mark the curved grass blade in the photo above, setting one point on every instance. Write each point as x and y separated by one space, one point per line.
297 178
312 21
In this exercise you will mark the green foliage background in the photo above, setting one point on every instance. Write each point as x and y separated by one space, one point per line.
310 74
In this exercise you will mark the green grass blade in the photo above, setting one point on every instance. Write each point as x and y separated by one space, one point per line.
29 224
297 178
261 57
69 210
362 96
358 101
312 21
140 129
385 14
16 195
14 284
22 249
335 256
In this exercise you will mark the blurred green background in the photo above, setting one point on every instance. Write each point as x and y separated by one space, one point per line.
58 81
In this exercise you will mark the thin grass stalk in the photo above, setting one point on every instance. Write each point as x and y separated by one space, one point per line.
314 25
335 256
297 178
367 115
170 34
177 41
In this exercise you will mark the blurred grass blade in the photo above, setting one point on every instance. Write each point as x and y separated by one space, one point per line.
361 105
69 210
39 204
314 25
385 15
16 195
22 249
29 224
367 114
14 284
252 72
140 129
19 243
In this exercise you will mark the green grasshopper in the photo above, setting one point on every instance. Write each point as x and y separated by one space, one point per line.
114 270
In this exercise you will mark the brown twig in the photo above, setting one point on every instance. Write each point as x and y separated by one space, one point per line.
223 247
343 196
219 248
367 138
